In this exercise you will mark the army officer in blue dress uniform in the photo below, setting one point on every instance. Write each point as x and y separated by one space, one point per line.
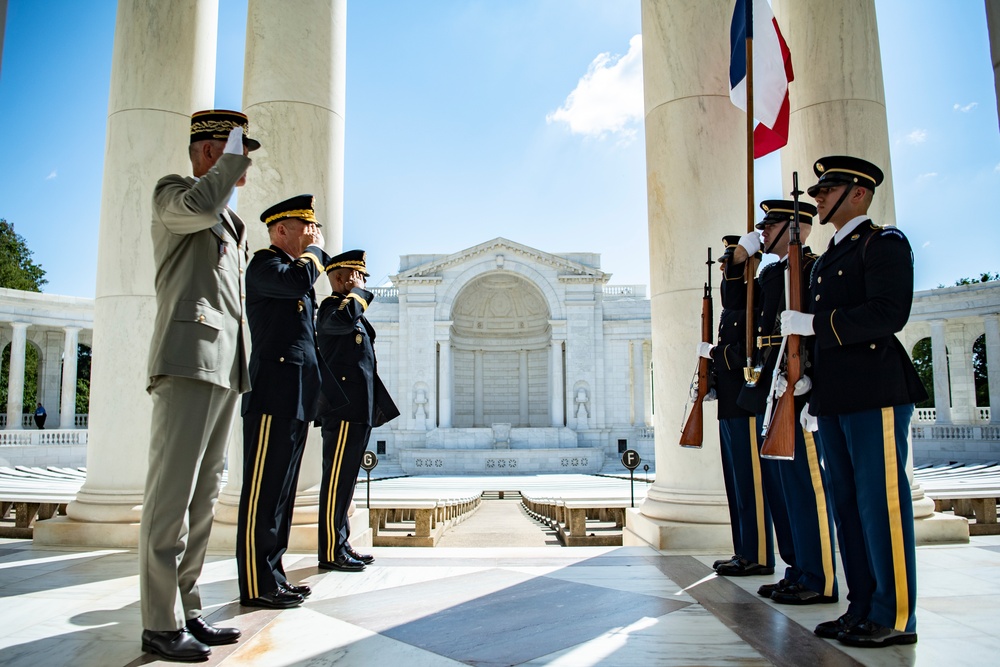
285 380
864 390
346 343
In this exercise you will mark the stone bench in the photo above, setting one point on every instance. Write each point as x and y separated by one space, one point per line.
569 517
29 494
969 491
416 522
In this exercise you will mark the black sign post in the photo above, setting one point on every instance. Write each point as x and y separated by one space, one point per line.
368 462
631 460
645 469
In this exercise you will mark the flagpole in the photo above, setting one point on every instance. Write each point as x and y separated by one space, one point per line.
750 374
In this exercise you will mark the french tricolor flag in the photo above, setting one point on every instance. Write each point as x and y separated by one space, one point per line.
772 71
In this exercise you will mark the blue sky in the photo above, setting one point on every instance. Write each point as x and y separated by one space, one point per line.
472 119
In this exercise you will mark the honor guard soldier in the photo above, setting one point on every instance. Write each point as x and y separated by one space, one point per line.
285 380
197 370
864 390
346 343
800 484
748 515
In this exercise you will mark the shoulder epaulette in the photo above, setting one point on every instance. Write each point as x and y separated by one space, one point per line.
270 250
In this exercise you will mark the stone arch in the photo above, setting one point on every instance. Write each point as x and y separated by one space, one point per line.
980 371
923 361
487 265
501 339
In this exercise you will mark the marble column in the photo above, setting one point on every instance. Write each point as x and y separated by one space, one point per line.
522 387
294 94
445 380
695 171
558 401
162 70
15 376
67 400
477 389
993 23
647 383
939 362
637 383
963 382
837 100
992 325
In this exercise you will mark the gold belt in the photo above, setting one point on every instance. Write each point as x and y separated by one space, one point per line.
768 341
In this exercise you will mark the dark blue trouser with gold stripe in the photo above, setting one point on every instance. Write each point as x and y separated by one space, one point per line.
866 454
752 536
806 492
344 446
272 457
777 505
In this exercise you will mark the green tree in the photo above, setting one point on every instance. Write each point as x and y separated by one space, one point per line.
83 380
979 370
924 363
17 270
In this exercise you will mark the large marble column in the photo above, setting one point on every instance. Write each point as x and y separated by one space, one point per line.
522 389
294 93
557 403
992 325
939 363
48 377
837 100
445 380
963 381
993 23
696 175
15 375
67 401
163 69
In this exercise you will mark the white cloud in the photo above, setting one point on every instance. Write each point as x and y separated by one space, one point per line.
923 178
916 137
608 98
926 244
52 175
966 108
997 168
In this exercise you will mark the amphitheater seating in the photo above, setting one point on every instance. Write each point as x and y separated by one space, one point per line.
970 491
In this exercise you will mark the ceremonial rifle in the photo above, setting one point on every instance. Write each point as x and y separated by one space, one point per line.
779 432
693 431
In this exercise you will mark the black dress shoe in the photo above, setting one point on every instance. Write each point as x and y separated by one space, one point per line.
342 562
799 594
869 634
741 567
766 590
276 599
833 629
209 634
302 589
367 559
174 645
717 563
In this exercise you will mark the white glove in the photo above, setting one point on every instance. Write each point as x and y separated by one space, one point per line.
710 396
234 144
794 322
750 243
705 350
801 387
807 421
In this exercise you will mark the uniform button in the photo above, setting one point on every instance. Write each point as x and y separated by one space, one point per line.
872 346
817 297
840 273
343 379
281 358
760 329
820 279
201 318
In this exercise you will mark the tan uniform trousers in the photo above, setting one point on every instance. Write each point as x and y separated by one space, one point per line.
190 432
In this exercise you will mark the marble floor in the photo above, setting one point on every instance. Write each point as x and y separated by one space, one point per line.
489 606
